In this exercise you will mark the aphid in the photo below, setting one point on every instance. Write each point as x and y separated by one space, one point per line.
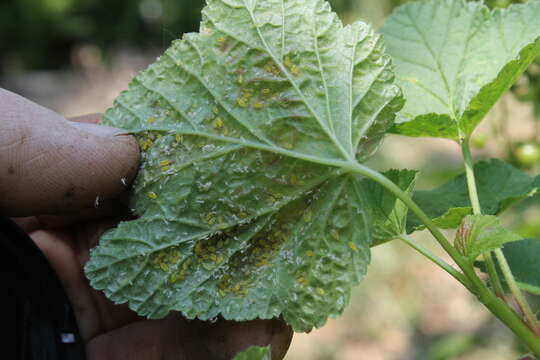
151 119
266 91
146 144
179 138
242 102
310 253
164 267
165 163
307 216
218 123
320 291
352 246
215 110
258 105
152 195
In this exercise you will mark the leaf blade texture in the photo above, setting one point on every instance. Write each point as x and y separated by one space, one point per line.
244 210
454 59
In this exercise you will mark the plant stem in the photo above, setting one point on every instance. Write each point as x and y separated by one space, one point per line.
437 260
477 210
492 302
514 289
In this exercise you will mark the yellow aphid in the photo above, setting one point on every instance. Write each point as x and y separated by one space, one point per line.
218 123
310 253
165 163
266 91
288 63
258 105
151 120
165 168
164 267
225 131
179 138
288 146
352 246
221 39
146 144
295 70
152 195
307 216
320 291
215 110
240 79
242 102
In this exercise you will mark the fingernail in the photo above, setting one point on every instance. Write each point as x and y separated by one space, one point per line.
98 130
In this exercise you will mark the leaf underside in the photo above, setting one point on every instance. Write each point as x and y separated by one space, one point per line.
454 59
498 184
244 209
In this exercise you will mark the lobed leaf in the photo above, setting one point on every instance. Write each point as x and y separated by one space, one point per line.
245 206
499 185
481 233
454 59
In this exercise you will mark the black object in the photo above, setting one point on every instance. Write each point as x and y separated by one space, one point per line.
37 318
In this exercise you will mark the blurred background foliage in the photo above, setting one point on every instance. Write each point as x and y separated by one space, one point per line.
75 56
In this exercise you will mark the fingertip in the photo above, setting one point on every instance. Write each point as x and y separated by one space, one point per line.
51 166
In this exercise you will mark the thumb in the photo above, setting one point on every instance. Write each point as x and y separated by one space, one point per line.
49 165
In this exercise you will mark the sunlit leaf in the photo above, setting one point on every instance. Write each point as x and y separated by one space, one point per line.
454 59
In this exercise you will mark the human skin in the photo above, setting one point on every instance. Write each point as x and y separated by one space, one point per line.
65 183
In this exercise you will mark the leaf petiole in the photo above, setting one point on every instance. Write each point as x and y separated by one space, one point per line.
437 260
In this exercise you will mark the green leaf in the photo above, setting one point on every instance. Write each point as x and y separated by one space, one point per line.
247 129
454 59
523 257
388 213
481 233
498 183
255 353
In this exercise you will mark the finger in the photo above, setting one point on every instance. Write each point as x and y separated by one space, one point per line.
88 118
49 165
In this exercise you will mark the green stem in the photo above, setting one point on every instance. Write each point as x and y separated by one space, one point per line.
492 302
477 210
437 260
515 290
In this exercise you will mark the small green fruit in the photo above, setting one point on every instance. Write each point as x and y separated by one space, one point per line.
527 155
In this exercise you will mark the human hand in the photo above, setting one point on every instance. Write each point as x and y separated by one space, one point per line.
65 182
